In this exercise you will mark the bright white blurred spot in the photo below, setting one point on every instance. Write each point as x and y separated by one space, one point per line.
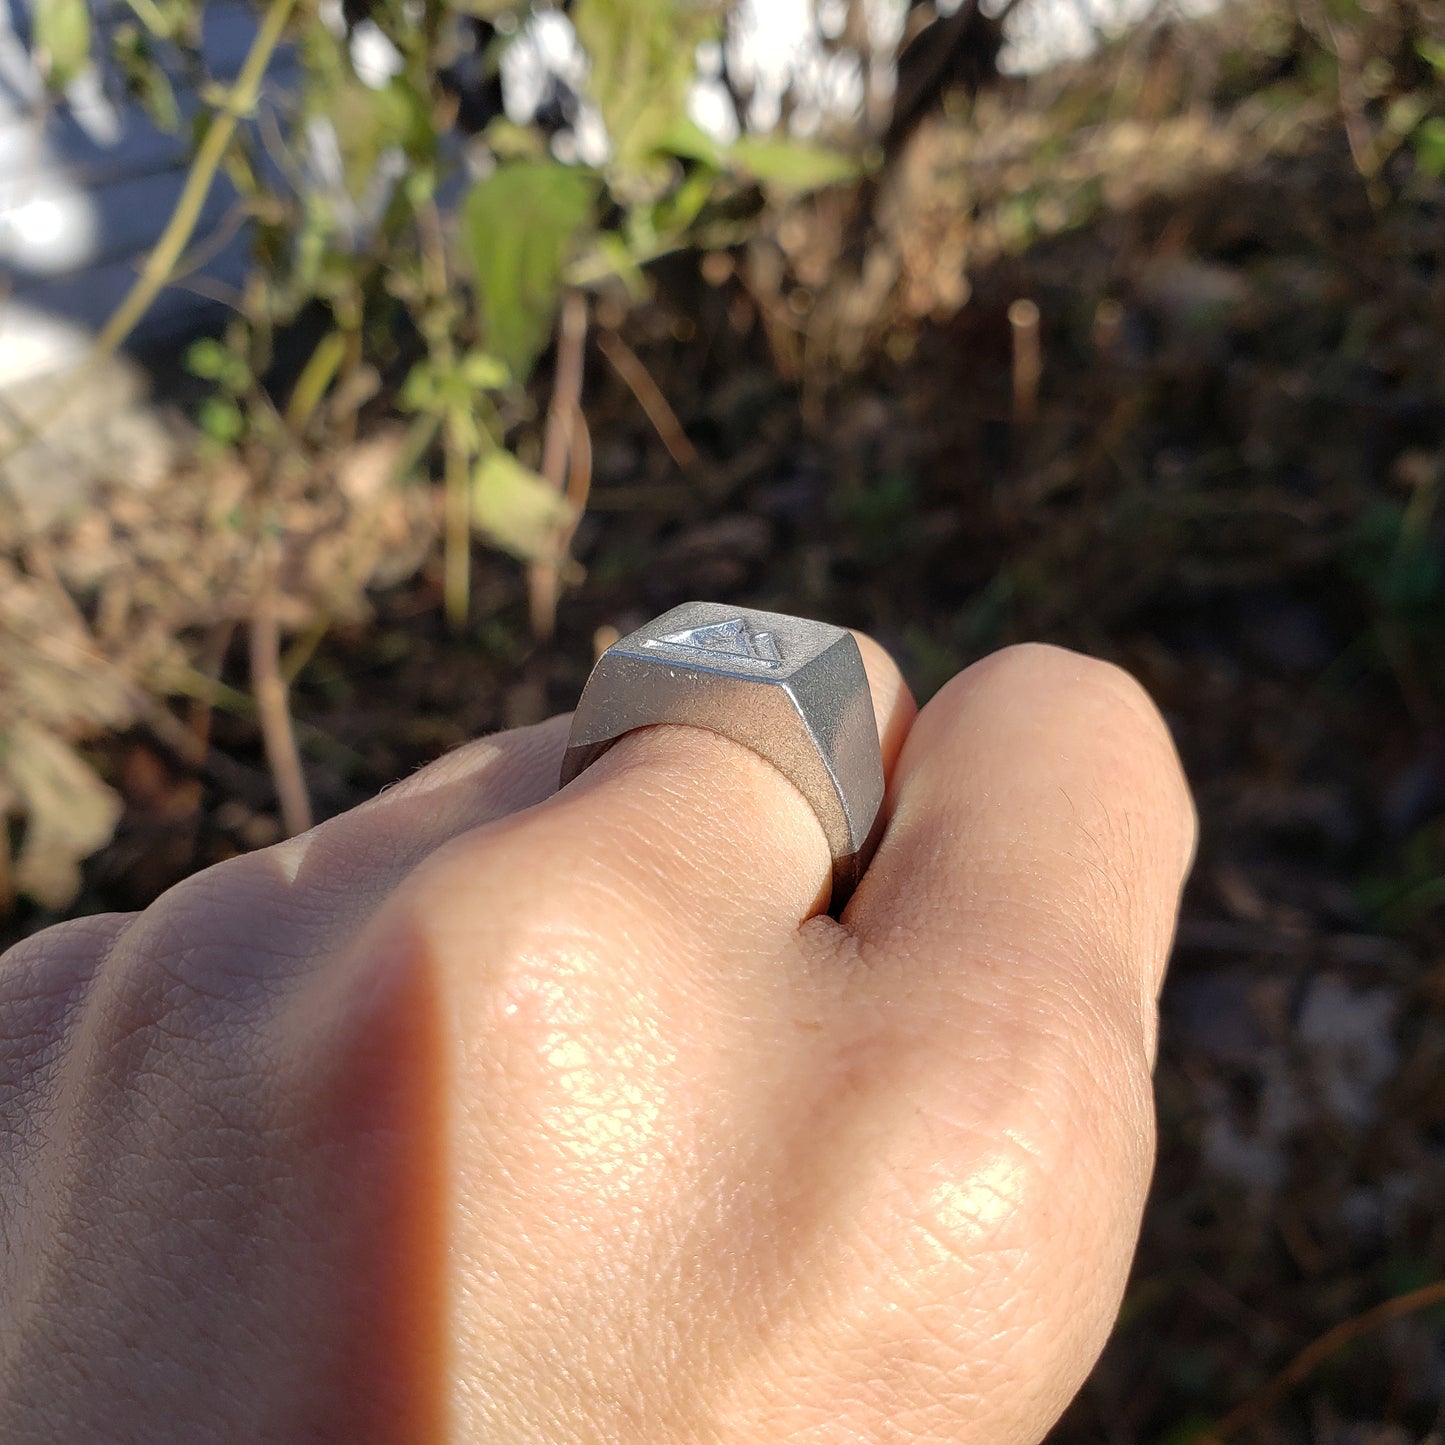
777 49
710 108
93 109
832 17
594 148
50 231
374 58
546 47
39 223
1048 32
34 343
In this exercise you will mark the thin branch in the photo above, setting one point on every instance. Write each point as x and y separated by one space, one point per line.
1315 1353
272 707
579 472
566 388
1028 366
457 536
240 101
160 264
628 365
544 576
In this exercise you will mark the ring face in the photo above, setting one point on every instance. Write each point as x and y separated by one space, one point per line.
792 690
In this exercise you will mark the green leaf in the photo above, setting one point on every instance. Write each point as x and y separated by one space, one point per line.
512 142
1429 145
145 77
207 358
1405 112
221 420
792 165
641 56
515 506
686 139
520 226
1432 52
419 392
482 372
62 38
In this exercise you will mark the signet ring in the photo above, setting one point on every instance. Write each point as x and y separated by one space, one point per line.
792 690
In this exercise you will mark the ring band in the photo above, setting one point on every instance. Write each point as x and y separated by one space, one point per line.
791 690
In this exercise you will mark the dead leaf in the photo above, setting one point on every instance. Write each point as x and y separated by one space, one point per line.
70 812
515 506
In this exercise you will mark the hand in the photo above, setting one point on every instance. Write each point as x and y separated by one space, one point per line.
487 1114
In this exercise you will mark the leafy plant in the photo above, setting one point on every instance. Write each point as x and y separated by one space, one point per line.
436 257
1427 136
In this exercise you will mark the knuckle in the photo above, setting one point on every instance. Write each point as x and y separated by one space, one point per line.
1056 1125
188 1005
1021 1187
43 983
562 1033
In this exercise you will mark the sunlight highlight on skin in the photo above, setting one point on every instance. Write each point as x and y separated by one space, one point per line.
983 1201
604 1107
289 858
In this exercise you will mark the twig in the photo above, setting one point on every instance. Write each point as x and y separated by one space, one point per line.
240 100
248 784
1028 366
210 662
579 472
628 365
1315 1353
272 708
544 576
566 388
457 535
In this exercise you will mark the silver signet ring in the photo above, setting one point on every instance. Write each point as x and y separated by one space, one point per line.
792 690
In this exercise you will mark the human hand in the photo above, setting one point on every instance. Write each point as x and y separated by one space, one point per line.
486 1114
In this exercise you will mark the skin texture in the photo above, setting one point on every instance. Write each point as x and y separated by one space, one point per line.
481 1113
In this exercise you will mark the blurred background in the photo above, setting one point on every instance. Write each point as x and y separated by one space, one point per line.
368 365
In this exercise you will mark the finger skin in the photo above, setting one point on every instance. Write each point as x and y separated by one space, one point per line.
877 1180
220 1141
1039 805
190 1052
502 1115
679 813
1003 956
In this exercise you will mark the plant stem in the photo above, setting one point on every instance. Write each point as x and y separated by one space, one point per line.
457 566
240 100
273 708
544 576
628 365
1314 1354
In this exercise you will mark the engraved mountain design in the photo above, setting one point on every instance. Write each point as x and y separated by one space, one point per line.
733 638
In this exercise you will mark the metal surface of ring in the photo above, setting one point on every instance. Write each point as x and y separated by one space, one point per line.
792 690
